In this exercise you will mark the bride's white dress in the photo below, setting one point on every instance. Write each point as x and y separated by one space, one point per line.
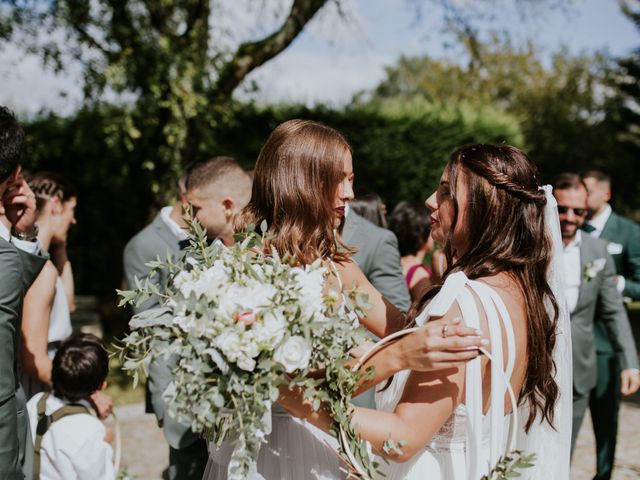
469 442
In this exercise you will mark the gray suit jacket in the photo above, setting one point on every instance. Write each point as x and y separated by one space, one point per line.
598 298
18 271
156 240
378 257
153 241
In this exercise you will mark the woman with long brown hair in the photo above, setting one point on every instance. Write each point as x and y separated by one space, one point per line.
302 182
501 239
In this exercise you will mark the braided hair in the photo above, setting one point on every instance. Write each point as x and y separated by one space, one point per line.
48 185
506 233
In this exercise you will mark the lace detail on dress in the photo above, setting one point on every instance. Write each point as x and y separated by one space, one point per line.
452 436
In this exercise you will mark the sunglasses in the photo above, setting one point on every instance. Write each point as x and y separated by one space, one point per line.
578 212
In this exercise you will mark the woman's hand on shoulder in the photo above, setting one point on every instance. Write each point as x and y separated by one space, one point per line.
439 344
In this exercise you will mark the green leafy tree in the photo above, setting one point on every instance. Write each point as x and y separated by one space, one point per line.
167 56
175 64
577 113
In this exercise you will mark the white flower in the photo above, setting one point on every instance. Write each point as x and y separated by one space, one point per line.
271 328
245 298
592 268
294 354
247 364
249 345
229 343
311 282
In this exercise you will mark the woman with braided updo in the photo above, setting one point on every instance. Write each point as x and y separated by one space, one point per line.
501 238
46 317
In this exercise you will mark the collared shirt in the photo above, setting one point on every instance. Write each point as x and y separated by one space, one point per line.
599 221
74 447
30 247
176 229
573 277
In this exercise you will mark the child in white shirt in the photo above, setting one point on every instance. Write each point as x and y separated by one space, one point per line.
70 442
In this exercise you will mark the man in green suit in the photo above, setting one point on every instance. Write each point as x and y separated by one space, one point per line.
20 263
591 293
217 189
623 237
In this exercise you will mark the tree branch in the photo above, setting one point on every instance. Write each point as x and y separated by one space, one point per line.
251 55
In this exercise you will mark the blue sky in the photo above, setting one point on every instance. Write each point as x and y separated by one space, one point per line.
332 59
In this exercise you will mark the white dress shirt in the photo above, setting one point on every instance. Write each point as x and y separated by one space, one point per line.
176 229
573 275
74 447
30 247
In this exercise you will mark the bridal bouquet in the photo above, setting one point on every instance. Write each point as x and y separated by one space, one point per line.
237 323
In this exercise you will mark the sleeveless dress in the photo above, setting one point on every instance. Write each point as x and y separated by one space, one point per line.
59 330
469 443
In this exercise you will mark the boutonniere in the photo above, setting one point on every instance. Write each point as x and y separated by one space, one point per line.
592 268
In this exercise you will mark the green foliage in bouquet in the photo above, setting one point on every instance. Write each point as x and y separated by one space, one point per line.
508 466
237 324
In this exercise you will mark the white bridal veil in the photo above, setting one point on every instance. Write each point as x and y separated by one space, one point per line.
552 445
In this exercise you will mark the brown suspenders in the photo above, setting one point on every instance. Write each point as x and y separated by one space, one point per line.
44 423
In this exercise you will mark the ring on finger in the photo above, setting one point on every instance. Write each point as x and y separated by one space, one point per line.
445 328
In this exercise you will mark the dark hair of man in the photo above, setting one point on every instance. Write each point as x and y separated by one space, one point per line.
47 185
411 225
11 143
80 366
204 173
568 181
599 175
507 233
369 206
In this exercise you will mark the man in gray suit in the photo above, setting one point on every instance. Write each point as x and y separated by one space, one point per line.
590 286
20 264
217 189
378 257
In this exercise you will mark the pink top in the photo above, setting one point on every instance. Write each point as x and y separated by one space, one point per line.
412 270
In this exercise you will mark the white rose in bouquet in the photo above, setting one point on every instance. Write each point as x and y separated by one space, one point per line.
293 354
311 282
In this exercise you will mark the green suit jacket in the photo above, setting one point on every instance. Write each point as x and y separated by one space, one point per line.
623 236
157 240
378 257
18 271
598 298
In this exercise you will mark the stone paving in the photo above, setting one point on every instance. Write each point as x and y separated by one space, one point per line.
145 452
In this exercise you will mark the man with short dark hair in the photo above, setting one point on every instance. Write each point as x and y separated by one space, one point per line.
591 293
20 263
623 237
217 189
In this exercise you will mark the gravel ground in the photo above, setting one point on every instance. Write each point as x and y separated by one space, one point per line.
145 452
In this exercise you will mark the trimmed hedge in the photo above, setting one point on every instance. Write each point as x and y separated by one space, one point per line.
399 151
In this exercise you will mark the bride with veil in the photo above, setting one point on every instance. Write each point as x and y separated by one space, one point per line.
501 236
451 418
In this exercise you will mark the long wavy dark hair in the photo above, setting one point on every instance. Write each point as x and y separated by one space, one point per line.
506 233
295 182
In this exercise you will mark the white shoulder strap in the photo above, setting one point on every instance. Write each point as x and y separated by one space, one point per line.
492 304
